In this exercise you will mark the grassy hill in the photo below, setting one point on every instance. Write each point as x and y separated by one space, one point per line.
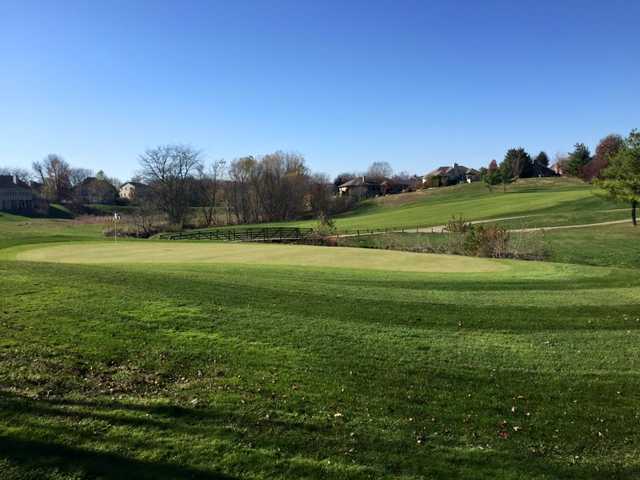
475 202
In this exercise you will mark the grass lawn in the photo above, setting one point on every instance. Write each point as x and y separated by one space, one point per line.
611 245
119 368
19 230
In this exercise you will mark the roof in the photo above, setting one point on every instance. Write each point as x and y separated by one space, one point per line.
439 171
456 169
135 184
92 181
10 181
358 182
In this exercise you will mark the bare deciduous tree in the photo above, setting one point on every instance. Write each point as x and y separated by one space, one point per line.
320 194
209 182
242 172
55 174
379 171
21 174
79 175
169 170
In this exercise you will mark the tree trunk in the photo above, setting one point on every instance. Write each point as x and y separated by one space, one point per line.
634 206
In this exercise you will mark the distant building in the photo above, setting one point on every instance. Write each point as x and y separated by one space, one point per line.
95 190
560 167
132 190
443 176
360 187
389 187
15 195
538 170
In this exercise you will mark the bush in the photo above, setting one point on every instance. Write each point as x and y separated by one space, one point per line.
487 241
461 237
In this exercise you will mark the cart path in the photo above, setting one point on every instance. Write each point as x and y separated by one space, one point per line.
442 228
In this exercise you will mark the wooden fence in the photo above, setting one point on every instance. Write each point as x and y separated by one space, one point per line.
272 234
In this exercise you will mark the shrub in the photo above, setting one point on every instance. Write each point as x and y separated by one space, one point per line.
487 241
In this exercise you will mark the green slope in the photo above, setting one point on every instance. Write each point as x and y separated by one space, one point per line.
534 197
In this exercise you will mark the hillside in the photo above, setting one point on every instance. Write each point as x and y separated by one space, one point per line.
557 201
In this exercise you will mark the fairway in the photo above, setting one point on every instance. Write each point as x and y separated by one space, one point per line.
256 254
203 360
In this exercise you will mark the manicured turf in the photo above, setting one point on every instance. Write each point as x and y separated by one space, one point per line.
475 202
18 230
256 254
609 245
136 370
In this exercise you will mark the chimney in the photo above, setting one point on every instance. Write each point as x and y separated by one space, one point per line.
15 179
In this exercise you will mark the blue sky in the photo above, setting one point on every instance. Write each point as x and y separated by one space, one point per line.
415 83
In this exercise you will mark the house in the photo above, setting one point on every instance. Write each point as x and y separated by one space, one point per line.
15 195
538 170
389 187
131 190
443 176
94 190
360 187
560 167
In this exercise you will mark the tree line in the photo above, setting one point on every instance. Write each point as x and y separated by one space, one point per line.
275 187
280 186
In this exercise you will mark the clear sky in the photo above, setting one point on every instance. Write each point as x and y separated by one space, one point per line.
416 83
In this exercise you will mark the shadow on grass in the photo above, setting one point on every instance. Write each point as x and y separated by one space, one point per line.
378 456
41 457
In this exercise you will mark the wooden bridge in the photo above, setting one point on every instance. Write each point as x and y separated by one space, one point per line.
270 234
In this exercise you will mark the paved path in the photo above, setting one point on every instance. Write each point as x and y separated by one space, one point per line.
562 227
442 228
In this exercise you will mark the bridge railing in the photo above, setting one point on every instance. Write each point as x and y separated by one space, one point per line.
266 234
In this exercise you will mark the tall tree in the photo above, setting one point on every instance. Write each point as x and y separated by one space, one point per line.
55 174
621 179
209 182
240 194
169 170
79 175
542 159
578 158
516 164
320 194
608 147
379 171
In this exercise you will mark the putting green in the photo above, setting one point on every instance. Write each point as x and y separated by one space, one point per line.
256 254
